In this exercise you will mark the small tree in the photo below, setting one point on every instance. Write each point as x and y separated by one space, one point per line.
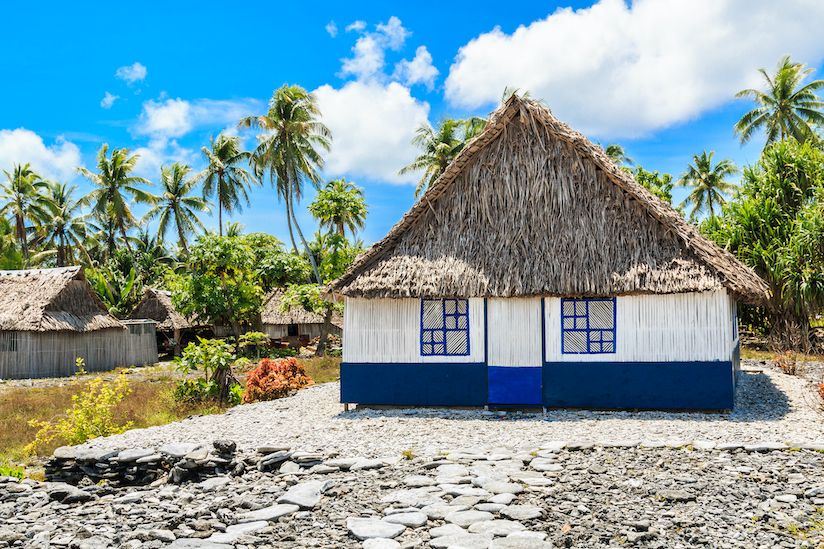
211 354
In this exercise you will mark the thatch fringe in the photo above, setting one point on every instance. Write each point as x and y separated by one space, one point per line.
532 208
157 305
272 314
45 300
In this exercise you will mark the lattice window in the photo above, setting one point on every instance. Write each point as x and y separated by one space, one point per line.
444 327
588 326
8 342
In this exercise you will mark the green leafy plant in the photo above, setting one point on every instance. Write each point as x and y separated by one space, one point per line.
193 391
16 472
236 394
213 355
92 415
253 339
285 352
408 455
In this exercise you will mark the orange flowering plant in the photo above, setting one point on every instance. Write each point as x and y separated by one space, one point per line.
275 379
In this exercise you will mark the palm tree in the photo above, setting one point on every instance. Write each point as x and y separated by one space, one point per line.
786 110
340 204
116 186
287 149
64 228
10 256
24 201
176 206
616 153
708 183
223 178
440 146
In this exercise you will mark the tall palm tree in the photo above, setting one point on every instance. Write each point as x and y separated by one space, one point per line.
176 206
223 177
786 110
24 201
288 149
440 146
340 204
116 187
708 183
64 228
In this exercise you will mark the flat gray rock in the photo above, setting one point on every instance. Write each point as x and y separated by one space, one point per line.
366 464
305 495
162 534
381 543
214 483
289 467
452 470
366 528
499 527
415 497
447 530
64 452
440 510
66 493
729 446
236 530
522 512
520 543
703 445
490 507
94 455
506 499
414 520
273 447
341 463
458 490
464 541
545 465
765 447
271 513
191 543
467 518
418 481
178 449
133 454
528 534
503 488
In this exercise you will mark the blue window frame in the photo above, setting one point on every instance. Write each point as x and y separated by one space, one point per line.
588 326
444 327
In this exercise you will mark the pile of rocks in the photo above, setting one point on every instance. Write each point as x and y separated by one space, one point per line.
555 494
176 462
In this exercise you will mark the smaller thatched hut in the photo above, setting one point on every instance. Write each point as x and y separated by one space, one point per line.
50 317
295 325
157 305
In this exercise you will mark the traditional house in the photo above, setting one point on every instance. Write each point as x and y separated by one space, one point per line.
535 272
157 305
297 326
50 317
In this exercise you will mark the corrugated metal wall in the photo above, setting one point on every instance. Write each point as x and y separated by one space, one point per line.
53 354
389 330
687 327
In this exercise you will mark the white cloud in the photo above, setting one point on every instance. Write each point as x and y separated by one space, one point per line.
332 29
619 71
368 60
131 73
161 151
357 26
372 126
418 71
23 146
109 100
394 33
170 118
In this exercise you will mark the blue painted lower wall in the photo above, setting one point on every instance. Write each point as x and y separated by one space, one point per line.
643 385
414 384
514 386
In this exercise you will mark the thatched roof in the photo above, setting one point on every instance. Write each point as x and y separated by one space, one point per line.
47 300
531 207
157 305
272 315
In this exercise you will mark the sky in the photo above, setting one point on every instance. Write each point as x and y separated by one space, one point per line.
656 76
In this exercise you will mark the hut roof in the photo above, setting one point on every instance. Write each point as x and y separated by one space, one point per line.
157 305
47 300
531 207
272 314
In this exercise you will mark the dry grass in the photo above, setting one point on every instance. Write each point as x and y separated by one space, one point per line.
322 370
757 354
149 403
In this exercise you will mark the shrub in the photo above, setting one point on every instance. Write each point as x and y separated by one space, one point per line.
91 415
284 352
16 472
214 354
193 391
275 379
788 362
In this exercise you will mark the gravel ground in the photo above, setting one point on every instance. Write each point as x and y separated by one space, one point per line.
769 407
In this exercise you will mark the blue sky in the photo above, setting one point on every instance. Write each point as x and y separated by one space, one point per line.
657 76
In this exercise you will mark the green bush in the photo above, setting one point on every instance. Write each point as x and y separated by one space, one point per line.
285 352
16 472
193 391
